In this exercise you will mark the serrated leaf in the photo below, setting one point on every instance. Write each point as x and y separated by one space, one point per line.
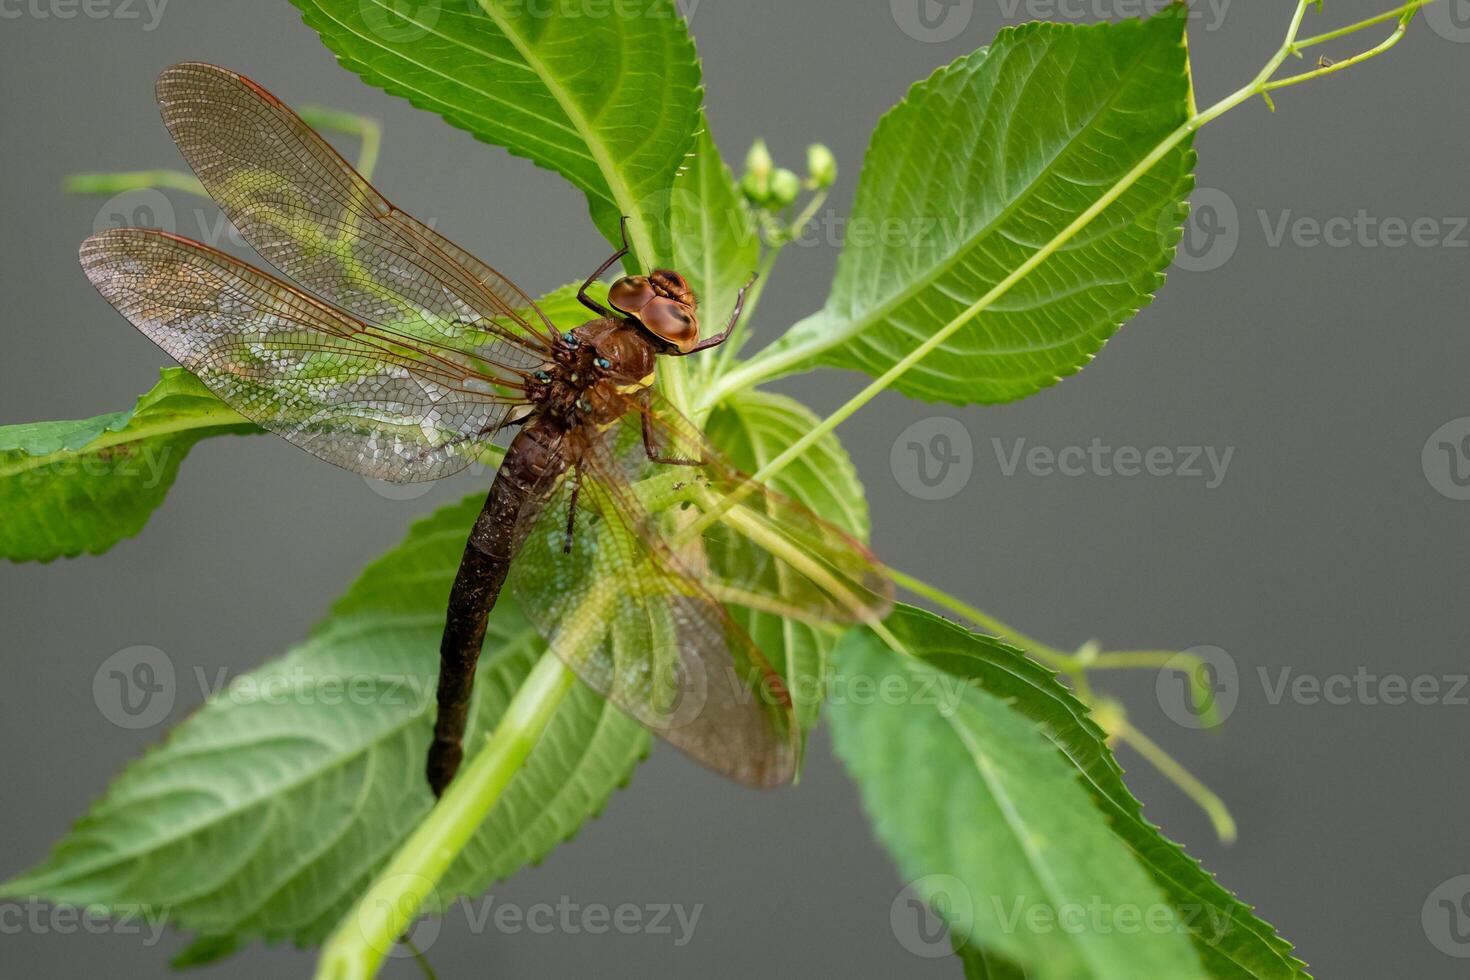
610 102
1231 941
976 805
267 812
84 485
751 428
979 167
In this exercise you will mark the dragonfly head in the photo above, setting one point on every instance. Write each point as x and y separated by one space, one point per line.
662 302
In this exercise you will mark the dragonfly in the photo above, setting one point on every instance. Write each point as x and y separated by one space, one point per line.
386 349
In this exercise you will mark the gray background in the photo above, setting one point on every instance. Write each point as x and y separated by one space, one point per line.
1325 550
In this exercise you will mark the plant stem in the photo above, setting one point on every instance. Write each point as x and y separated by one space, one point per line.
132 180
365 937
1109 714
1205 798
368 131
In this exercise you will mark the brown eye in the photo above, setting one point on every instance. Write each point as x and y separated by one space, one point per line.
630 294
670 321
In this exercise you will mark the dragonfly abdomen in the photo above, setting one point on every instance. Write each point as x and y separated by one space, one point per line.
534 457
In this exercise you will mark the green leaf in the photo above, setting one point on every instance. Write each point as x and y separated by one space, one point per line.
267 812
70 487
981 965
611 103
751 428
974 172
715 243
1231 941
979 808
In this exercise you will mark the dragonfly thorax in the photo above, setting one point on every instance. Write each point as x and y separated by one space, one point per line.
602 363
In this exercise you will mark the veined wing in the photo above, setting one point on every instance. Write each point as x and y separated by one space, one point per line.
631 619
636 607
773 550
304 208
369 400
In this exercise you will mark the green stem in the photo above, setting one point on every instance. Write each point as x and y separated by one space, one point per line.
132 180
1332 67
1204 797
1407 10
368 131
365 937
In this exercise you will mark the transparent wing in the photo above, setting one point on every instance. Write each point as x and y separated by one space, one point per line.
372 401
303 208
771 550
636 606
631 619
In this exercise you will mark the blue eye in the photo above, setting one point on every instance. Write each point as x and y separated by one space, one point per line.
542 376
603 363
569 338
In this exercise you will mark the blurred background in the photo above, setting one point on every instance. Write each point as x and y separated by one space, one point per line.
1324 550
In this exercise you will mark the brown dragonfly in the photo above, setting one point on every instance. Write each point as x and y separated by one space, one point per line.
399 356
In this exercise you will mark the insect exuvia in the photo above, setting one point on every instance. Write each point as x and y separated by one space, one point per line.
396 354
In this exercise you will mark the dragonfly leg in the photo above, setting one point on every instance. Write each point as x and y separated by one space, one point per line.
723 335
576 479
655 456
582 296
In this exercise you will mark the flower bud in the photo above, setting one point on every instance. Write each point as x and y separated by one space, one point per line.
821 167
756 183
785 186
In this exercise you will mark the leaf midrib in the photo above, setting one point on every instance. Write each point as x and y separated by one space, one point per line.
622 197
880 314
